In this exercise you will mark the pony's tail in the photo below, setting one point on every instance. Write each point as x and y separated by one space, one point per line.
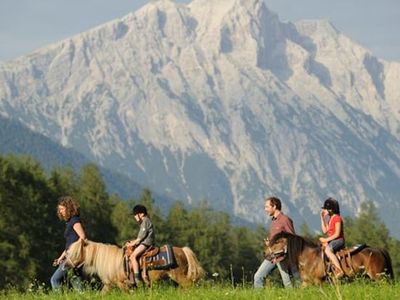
388 260
195 271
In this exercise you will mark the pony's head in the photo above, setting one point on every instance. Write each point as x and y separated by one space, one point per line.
288 245
275 248
76 254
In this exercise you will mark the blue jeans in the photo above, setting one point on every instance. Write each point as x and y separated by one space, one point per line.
336 245
267 267
60 276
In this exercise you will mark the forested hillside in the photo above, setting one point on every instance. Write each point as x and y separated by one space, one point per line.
16 138
31 235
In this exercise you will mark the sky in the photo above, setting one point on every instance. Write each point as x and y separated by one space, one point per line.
26 25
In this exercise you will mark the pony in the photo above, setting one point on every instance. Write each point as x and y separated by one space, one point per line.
107 262
309 259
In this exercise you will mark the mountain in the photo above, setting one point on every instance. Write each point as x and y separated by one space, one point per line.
220 100
15 138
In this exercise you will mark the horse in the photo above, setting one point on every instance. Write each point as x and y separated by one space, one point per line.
310 261
107 262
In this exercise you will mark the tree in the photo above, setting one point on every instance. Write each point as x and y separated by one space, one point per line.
123 220
64 182
28 226
247 249
96 209
306 232
156 216
178 225
367 228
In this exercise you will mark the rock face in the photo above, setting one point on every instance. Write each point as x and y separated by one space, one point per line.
220 100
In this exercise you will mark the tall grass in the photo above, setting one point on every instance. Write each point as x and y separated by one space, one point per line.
356 290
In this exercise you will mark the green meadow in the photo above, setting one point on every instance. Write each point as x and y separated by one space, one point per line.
355 290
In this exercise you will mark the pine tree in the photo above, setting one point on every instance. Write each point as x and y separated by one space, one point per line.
28 226
367 228
96 208
154 212
123 220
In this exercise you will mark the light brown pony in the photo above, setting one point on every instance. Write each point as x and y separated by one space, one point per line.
307 257
107 262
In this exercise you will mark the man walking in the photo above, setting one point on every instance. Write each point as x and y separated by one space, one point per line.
280 222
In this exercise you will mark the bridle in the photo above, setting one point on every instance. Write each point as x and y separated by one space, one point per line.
278 253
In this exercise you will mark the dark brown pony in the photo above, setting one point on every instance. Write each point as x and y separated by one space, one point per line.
308 258
107 262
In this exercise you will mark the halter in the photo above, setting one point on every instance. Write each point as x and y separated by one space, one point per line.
276 254
67 258
279 253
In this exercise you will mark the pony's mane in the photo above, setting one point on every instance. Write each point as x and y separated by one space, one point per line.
295 245
105 260
293 237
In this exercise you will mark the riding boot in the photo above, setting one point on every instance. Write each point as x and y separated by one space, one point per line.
131 280
137 278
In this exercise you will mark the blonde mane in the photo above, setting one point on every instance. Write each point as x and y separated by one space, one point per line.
104 260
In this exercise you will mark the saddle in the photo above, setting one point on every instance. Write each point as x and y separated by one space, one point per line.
345 252
344 256
154 258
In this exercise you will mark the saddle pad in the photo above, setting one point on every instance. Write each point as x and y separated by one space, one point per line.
163 260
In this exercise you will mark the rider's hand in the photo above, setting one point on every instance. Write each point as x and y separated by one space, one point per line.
58 261
323 241
131 243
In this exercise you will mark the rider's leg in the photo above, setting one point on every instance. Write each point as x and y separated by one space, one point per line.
134 258
334 260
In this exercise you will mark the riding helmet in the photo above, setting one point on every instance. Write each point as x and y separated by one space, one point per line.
139 209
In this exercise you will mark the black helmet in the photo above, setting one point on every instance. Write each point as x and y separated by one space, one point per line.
332 204
329 204
139 209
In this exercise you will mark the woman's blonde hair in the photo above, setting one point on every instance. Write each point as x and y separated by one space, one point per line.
71 208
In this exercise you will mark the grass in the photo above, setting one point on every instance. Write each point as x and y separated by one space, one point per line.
355 290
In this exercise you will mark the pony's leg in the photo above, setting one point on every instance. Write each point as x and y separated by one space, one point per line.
106 288
122 286
304 284
146 281
369 269
155 275
178 275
